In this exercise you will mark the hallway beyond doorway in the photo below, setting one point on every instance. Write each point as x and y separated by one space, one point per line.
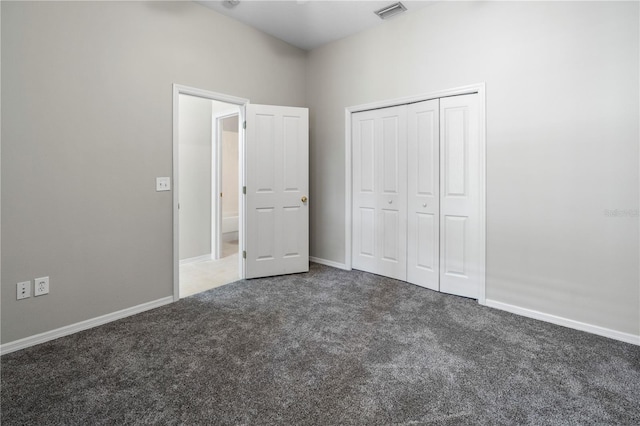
197 277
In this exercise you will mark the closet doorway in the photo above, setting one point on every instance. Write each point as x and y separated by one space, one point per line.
416 190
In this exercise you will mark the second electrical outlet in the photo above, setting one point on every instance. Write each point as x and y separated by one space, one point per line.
41 286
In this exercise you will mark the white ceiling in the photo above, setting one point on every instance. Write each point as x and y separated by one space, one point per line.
309 24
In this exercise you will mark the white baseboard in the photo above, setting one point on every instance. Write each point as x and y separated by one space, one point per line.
80 326
565 322
329 263
230 236
202 258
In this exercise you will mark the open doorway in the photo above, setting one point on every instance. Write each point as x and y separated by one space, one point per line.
225 213
208 188
273 183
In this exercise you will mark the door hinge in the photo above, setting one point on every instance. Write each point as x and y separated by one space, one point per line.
244 189
244 124
244 254
221 195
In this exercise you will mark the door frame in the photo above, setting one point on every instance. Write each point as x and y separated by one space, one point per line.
478 89
178 90
216 179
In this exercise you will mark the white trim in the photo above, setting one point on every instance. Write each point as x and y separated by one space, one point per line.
242 222
482 182
202 258
348 179
176 213
463 90
178 90
478 88
565 322
82 325
329 263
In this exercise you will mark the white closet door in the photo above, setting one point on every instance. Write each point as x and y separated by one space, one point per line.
380 192
277 181
459 202
423 138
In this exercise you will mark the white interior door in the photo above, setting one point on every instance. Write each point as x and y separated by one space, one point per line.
423 145
277 186
380 191
460 267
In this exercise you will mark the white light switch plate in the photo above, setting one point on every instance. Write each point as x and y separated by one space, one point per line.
163 184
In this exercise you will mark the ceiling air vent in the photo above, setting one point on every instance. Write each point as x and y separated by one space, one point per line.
391 10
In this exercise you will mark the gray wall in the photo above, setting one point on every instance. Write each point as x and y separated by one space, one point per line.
86 128
562 140
86 103
194 156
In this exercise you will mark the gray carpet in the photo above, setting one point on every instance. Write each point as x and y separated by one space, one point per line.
325 348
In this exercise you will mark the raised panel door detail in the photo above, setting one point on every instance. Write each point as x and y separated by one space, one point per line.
266 224
427 135
291 241
265 132
390 225
291 130
455 148
390 154
455 243
367 156
425 241
367 231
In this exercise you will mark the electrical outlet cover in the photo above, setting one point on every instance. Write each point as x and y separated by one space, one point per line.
163 184
41 286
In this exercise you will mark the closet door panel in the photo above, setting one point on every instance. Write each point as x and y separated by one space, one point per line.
364 230
423 148
459 185
392 199
379 191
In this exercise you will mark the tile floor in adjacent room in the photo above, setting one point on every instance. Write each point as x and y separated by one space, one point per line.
197 277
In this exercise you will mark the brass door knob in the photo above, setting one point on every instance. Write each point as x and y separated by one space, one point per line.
304 199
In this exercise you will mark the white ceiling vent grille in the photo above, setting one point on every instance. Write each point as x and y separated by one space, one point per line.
391 10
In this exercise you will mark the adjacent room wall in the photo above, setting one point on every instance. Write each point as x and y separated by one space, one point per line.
230 167
562 140
86 129
194 156
230 183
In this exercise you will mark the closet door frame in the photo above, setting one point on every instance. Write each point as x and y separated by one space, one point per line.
478 89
